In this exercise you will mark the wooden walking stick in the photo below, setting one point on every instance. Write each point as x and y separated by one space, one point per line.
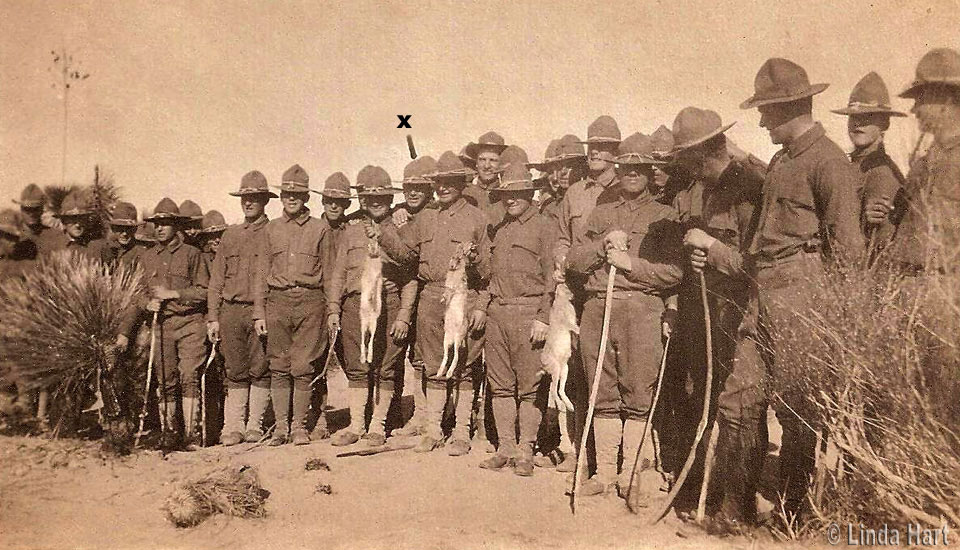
649 422
146 390
203 396
607 306
691 458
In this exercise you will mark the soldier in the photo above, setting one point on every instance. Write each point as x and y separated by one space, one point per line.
381 377
14 255
177 277
719 211
288 302
146 235
122 248
431 241
881 181
929 233
669 178
418 194
230 314
810 213
485 153
546 183
640 237
521 267
45 238
194 215
211 234
80 224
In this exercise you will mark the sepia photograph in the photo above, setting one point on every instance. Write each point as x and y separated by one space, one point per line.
437 274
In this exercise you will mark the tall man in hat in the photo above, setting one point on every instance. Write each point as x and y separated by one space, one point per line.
230 314
177 278
521 283
641 238
929 232
430 242
486 153
122 248
417 194
381 377
881 182
45 238
288 301
719 211
810 217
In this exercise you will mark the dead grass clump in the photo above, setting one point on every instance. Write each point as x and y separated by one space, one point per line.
231 490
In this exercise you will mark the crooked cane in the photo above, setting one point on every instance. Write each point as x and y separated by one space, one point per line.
649 422
203 395
701 427
607 306
146 389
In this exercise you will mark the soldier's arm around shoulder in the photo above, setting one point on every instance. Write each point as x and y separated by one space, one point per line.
587 254
402 244
835 190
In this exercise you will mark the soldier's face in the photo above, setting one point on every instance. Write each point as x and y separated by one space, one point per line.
517 202
599 156
165 232
123 234
659 177
253 205
378 207
31 214
935 107
334 208
866 129
417 195
553 180
74 226
293 202
634 178
448 192
487 164
775 118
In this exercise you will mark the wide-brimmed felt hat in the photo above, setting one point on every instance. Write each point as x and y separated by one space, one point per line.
570 148
336 186
192 210
939 67
124 214
467 161
781 81
515 177
76 203
603 130
513 155
295 180
10 223
694 126
490 140
146 232
548 156
166 210
450 166
374 181
253 183
32 197
869 96
636 149
415 172
662 140
213 222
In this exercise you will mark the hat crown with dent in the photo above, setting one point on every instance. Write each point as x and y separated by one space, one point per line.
604 128
123 212
373 177
662 139
32 196
191 209
636 144
449 162
77 203
166 207
254 180
417 169
570 145
213 219
513 155
337 185
938 66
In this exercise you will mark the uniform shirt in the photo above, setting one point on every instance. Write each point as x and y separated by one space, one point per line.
521 259
430 241
577 205
549 207
46 239
114 254
933 181
477 194
879 178
348 270
809 201
292 255
21 258
177 266
233 267
654 246
95 249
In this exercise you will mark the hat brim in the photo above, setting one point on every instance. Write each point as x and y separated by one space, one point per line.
29 204
636 160
473 149
591 141
123 223
848 111
168 217
704 138
74 214
529 186
247 192
912 91
291 189
333 194
755 101
387 192
213 229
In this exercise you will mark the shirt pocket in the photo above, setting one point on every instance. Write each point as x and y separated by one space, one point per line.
356 255
524 266
233 267
796 213
179 272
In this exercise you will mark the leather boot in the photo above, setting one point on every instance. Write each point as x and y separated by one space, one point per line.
460 436
191 422
378 420
607 433
357 401
646 480
298 424
505 417
436 399
172 430
280 391
530 417
415 425
234 407
259 400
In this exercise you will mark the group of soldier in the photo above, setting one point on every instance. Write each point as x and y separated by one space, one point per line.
666 213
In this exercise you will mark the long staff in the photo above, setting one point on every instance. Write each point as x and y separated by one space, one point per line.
146 389
203 396
649 422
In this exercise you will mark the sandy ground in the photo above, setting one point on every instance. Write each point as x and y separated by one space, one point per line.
62 494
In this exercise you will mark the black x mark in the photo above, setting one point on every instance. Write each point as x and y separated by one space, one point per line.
404 121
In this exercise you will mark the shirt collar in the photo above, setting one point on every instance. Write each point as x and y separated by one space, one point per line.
605 179
643 198
806 140
456 206
301 219
173 245
874 148
257 223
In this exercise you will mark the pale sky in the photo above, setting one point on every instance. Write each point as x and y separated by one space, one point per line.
186 97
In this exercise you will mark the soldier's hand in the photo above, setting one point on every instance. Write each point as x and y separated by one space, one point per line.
371 229
698 259
401 217
260 327
619 259
538 332
877 210
399 331
698 238
478 320
616 239
667 322
154 305
213 331
560 270
333 324
470 253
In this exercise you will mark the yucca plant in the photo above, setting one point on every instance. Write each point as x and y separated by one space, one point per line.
56 194
59 323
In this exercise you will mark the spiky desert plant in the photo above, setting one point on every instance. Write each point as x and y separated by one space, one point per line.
56 194
59 323
231 490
